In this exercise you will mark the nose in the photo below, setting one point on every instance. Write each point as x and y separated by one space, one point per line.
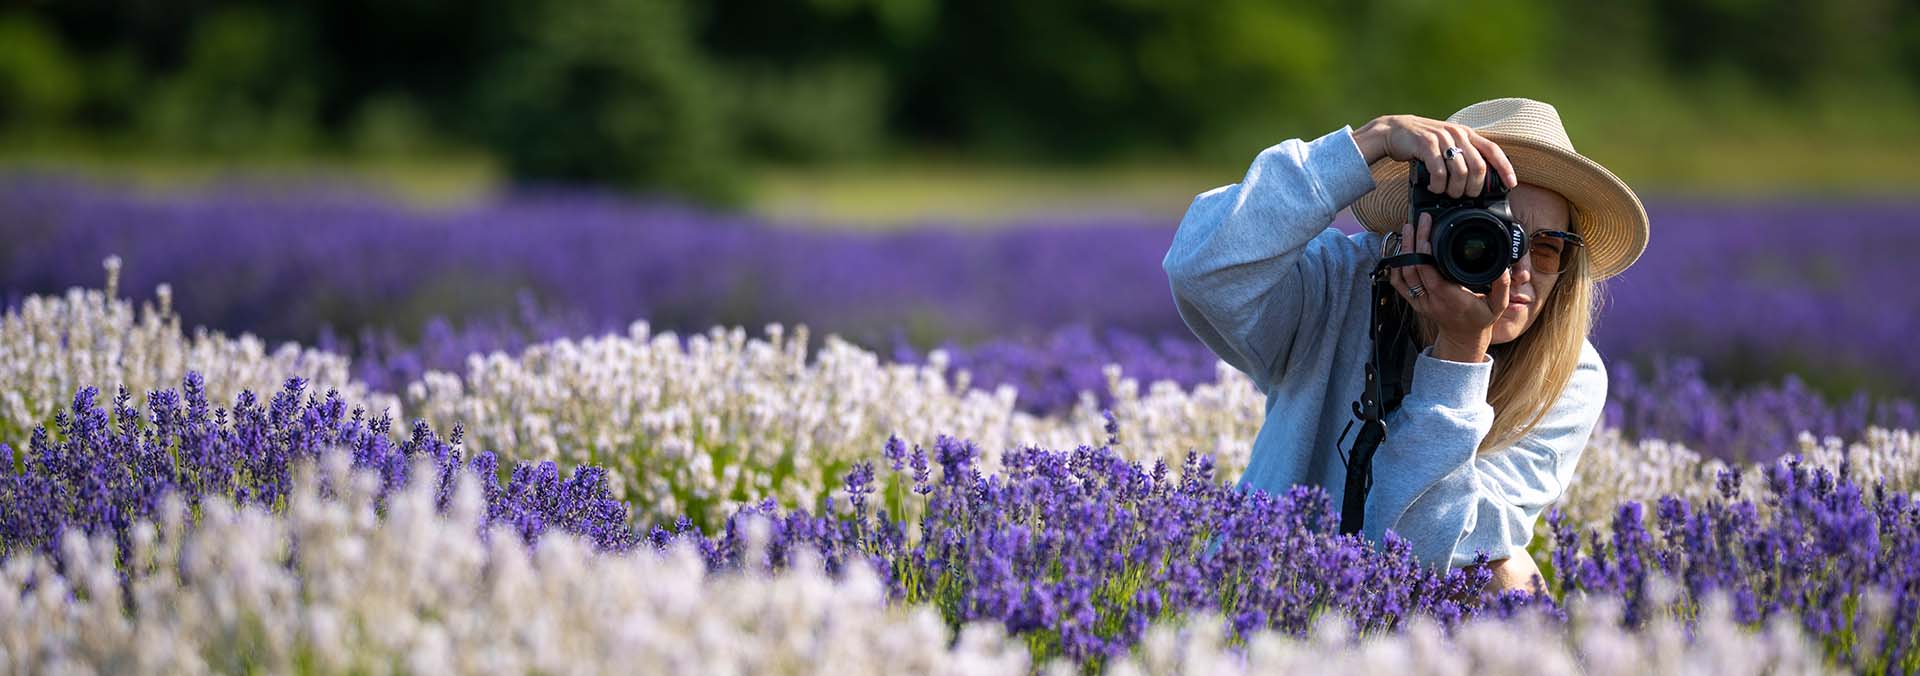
1523 271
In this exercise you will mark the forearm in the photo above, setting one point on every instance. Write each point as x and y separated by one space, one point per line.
1432 439
1244 267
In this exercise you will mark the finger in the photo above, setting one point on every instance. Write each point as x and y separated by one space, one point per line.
1436 166
1476 165
1499 292
1406 280
1424 274
1496 159
1419 233
1398 276
1407 283
1456 167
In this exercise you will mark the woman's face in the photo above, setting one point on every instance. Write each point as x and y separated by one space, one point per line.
1538 209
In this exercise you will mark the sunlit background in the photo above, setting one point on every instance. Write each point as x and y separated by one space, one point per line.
855 310
410 182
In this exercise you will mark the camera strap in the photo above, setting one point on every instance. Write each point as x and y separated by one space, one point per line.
1389 374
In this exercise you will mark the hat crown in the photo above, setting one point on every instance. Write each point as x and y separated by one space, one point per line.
1537 121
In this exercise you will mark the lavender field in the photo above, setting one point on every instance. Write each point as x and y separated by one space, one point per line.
1744 324
319 430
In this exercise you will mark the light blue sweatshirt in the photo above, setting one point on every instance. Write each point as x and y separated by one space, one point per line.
1268 286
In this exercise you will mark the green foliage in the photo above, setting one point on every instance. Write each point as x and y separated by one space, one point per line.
249 81
833 111
607 91
39 83
389 124
677 95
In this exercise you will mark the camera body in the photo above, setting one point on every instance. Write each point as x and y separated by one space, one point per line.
1474 239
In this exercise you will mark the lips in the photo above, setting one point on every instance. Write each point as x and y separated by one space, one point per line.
1519 300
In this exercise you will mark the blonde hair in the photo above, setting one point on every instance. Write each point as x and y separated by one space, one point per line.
1530 371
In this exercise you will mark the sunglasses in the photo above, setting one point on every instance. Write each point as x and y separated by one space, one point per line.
1553 250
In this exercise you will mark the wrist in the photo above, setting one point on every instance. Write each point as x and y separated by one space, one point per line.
1470 350
1369 139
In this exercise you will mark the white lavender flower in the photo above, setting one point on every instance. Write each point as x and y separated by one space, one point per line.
51 346
329 588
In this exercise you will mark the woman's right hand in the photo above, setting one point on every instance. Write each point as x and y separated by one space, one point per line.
1410 137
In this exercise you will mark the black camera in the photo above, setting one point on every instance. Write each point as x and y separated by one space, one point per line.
1474 239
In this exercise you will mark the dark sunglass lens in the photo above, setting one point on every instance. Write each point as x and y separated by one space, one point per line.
1549 254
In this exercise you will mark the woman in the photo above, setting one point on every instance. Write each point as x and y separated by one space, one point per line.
1506 388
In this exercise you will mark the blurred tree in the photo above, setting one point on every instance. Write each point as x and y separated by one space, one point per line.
39 83
1907 45
249 82
813 80
607 91
677 95
1429 58
390 124
818 112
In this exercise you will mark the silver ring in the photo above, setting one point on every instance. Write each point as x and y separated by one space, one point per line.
1416 290
1451 152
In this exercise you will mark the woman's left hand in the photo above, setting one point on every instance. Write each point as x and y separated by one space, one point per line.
1465 319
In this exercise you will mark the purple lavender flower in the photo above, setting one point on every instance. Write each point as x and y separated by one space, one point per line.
98 472
1819 544
1080 550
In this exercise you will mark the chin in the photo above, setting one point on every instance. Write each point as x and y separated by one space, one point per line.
1506 330
1512 325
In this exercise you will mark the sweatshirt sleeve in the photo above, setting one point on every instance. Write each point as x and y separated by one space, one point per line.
1253 262
1430 486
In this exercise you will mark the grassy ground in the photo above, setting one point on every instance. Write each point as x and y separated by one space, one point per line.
429 179
1726 143
1716 141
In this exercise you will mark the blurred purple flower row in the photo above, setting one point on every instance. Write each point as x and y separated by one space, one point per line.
1758 289
1674 401
284 262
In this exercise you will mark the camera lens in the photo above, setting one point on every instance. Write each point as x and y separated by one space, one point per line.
1473 245
1472 240
1471 249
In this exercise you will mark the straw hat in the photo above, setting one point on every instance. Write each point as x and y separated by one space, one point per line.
1606 213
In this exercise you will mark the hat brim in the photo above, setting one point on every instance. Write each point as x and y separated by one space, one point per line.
1606 213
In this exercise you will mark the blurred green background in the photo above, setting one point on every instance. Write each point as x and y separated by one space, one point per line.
871 111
